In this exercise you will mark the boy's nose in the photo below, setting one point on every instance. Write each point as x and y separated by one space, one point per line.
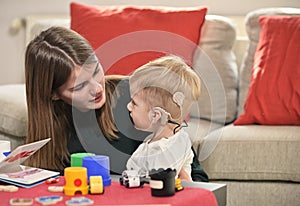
129 106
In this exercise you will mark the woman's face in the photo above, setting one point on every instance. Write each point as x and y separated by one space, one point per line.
85 89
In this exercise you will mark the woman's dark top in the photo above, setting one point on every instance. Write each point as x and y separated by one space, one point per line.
89 137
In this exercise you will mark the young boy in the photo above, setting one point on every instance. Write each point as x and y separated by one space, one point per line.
163 92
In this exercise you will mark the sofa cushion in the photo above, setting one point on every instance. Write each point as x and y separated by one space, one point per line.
215 63
274 93
13 112
253 31
126 37
255 152
198 128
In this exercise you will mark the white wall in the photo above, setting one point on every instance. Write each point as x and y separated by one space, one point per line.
12 46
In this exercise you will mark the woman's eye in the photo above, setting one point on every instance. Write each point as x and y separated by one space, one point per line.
79 87
98 75
96 71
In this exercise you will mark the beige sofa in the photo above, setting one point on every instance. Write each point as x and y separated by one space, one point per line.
260 164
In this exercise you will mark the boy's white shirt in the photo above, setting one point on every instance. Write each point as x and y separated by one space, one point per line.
173 152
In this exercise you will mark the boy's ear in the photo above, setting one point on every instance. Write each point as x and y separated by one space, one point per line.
155 115
159 115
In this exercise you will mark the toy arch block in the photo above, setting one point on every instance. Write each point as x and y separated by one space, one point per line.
76 181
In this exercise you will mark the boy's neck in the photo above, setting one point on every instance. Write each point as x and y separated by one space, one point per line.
166 132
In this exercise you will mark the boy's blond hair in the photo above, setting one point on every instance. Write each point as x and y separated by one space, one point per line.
169 83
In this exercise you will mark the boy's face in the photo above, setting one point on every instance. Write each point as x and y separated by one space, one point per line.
139 112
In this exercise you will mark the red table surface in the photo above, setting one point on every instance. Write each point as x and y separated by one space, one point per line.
115 194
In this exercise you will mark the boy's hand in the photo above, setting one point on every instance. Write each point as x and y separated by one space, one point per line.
183 175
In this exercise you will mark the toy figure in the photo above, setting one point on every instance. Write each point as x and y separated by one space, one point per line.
132 178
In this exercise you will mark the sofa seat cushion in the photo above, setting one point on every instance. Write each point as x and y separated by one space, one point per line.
198 129
255 152
13 113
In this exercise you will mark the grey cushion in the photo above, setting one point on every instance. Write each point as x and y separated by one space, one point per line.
215 62
13 112
37 24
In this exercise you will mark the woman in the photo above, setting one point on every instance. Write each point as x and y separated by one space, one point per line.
69 100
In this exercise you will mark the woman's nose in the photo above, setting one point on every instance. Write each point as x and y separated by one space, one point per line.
96 86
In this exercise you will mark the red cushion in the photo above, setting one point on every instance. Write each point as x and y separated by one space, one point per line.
274 93
126 37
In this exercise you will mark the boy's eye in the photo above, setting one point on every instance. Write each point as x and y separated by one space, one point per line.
133 102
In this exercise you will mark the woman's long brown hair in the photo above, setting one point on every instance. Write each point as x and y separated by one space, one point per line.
49 61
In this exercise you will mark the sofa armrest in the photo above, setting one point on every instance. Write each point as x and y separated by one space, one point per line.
13 113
